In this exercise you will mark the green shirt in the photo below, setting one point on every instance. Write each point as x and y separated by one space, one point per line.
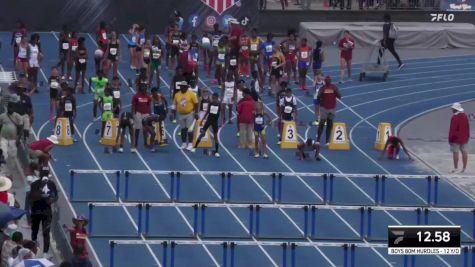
99 85
9 129
107 102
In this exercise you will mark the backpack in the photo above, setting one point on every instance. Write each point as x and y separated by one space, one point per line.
393 31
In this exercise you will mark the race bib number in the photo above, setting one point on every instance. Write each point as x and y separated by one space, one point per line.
244 48
107 106
221 56
68 106
156 55
113 51
104 36
213 110
304 54
274 64
65 46
233 62
146 53
215 42
116 94
259 120
205 41
288 109
74 47
229 92
268 48
18 39
253 47
291 47
54 84
134 39
175 42
82 60
205 106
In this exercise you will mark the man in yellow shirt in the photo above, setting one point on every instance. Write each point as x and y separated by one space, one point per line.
186 104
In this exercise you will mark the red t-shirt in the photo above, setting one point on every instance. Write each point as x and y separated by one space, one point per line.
459 132
328 96
40 145
246 109
141 103
236 33
4 197
78 238
347 45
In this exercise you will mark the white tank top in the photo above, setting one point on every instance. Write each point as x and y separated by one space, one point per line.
22 52
229 89
34 51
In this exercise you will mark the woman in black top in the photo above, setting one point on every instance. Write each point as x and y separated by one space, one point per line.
389 37
211 117
81 63
112 55
63 51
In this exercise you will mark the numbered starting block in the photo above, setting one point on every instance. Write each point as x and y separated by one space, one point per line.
339 139
110 132
289 135
158 134
62 130
206 140
382 135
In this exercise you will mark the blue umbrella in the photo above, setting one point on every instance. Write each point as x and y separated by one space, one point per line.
35 263
8 214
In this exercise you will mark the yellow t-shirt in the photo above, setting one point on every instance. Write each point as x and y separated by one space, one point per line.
185 102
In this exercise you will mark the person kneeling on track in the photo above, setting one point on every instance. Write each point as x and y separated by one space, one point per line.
327 96
393 146
148 123
211 116
308 145
126 121
186 103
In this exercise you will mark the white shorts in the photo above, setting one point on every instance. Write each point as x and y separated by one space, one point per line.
138 118
228 100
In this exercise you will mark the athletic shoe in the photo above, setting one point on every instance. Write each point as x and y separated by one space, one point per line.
193 150
463 170
278 142
189 147
256 155
216 154
349 80
153 150
402 66
70 78
47 256
237 134
455 171
179 133
133 150
174 121
183 145
63 77
121 150
315 123
75 140
397 156
341 82
327 144
265 156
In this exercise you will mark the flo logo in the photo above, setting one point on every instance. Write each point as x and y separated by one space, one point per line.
220 5
438 17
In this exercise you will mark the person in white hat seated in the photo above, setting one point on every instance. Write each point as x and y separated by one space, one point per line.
40 150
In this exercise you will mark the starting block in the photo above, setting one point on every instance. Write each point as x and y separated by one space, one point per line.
110 132
62 130
339 139
382 135
206 140
289 135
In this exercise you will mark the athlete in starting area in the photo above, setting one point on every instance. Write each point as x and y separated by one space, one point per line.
211 116
307 146
99 84
126 121
393 146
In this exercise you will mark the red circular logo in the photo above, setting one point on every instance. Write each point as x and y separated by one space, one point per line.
210 21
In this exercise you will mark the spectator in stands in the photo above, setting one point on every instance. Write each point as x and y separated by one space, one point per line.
393 146
25 109
9 246
23 254
32 246
6 197
79 260
246 109
40 150
459 135
389 37
327 96
346 45
11 124
43 195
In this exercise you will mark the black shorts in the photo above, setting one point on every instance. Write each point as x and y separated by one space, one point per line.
53 94
174 51
138 48
80 66
146 60
211 123
126 124
277 72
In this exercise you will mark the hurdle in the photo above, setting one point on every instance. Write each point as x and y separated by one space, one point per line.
72 178
229 248
93 205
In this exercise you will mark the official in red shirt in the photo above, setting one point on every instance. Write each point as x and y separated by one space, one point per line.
346 45
246 109
327 95
141 106
459 135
